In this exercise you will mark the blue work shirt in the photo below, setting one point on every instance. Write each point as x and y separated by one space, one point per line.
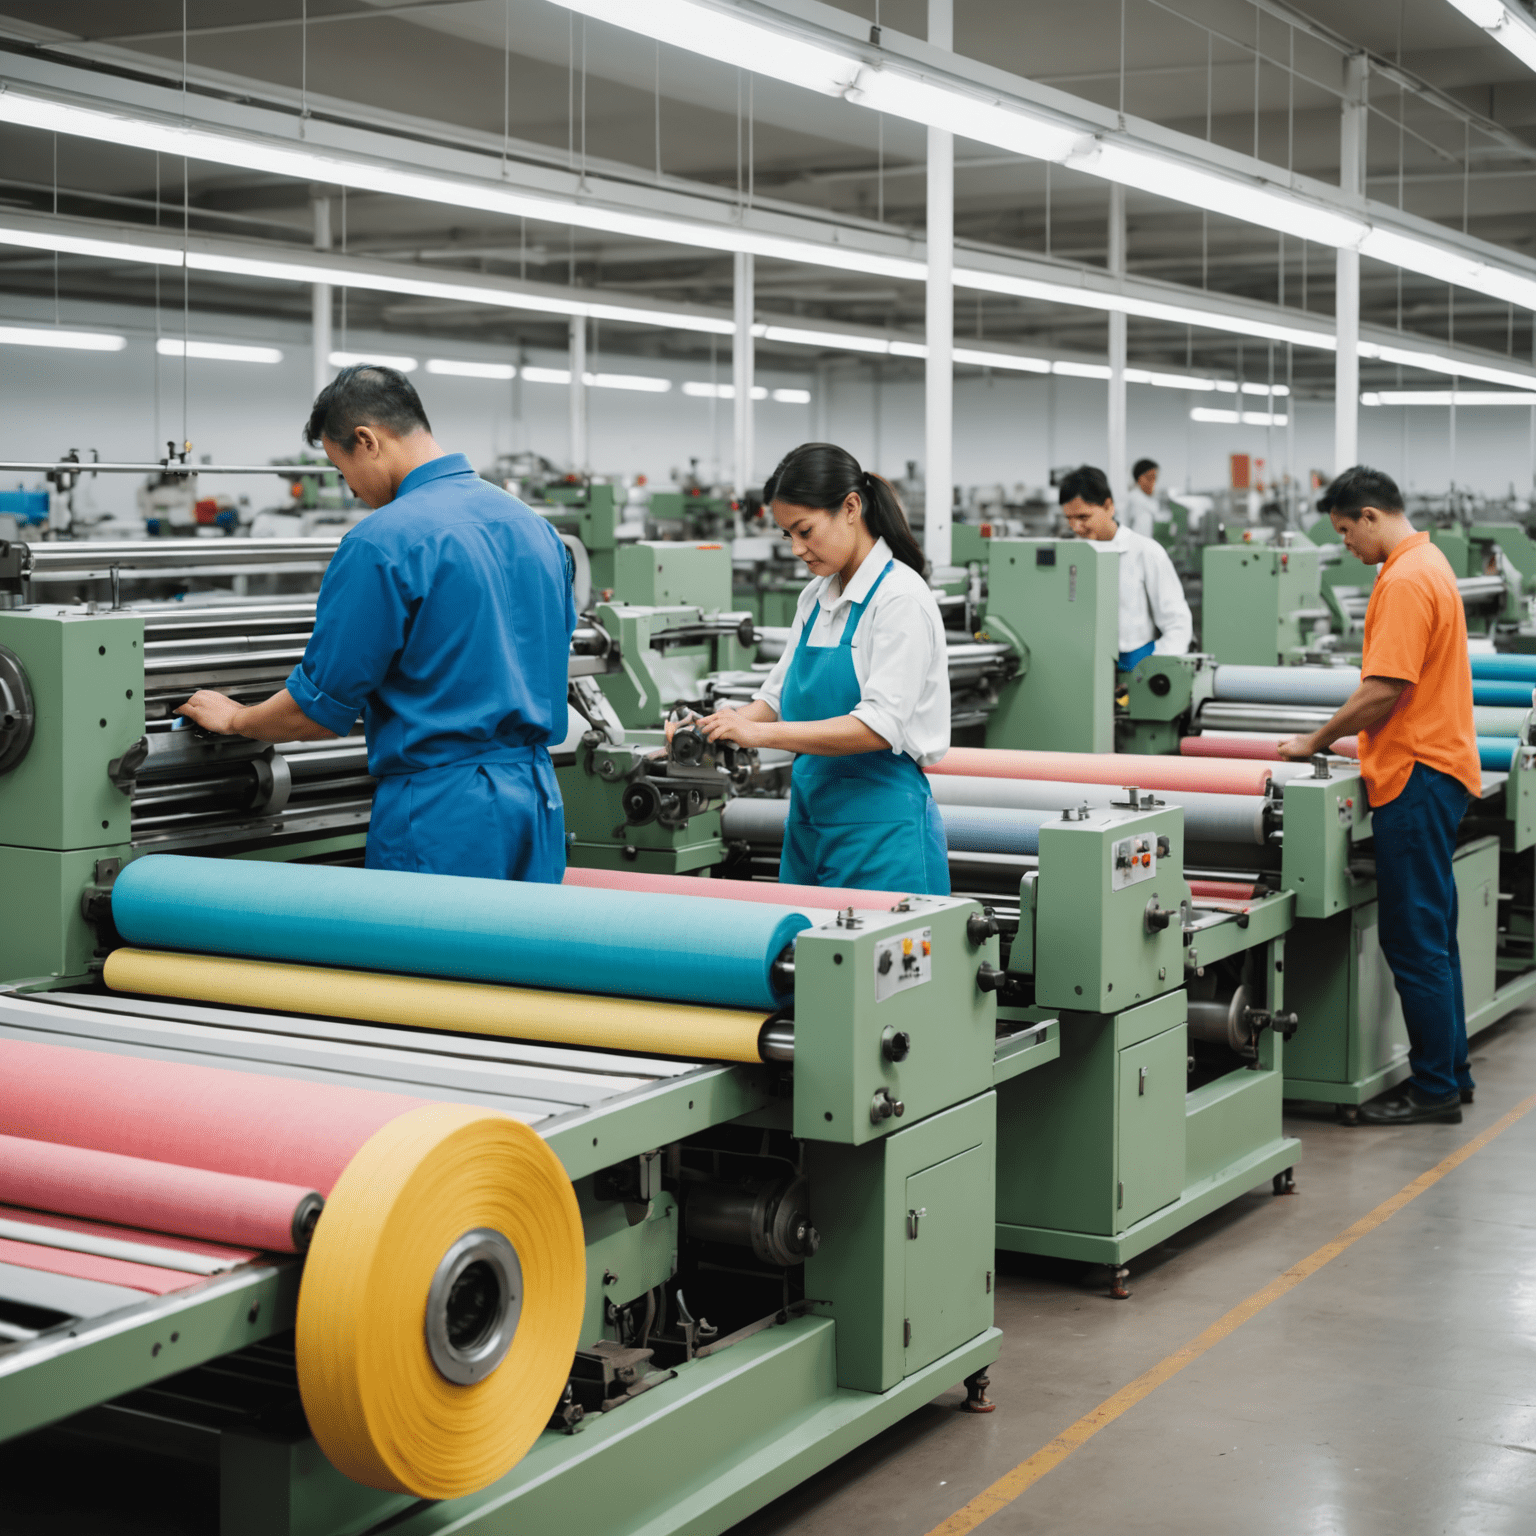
445 619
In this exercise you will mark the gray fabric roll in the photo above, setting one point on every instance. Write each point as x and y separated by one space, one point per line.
759 822
1323 686
1207 818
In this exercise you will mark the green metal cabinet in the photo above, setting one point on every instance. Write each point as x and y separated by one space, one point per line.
948 1291
1152 1076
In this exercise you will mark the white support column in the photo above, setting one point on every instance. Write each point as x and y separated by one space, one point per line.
742 374
939 380
1117 467
578 363
320 297
1346 360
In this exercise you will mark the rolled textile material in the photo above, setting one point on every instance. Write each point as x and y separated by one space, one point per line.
1510 695
1256 748
92 1266
982 829
753 820
281 1129
546 936
1323 686
163 1197
1497 753
832 898
1506 667
1224 777
1207 818
425 1002
1497 720
376 1400
1222 890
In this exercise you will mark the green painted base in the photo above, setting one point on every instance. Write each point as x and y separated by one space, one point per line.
698 1454
1513 994
682 859
1357 1092
1198 1200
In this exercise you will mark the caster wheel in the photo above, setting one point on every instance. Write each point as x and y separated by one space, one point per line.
1284 1182
1347 1114
1117 1289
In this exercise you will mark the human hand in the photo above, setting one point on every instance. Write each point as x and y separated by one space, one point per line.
214 712
1297 749
732 725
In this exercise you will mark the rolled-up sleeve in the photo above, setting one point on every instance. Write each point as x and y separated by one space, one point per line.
361 618
901 656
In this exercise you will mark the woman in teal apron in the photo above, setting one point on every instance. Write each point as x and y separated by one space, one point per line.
860 810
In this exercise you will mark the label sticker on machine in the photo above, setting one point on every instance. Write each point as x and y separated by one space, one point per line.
903 963
1134 859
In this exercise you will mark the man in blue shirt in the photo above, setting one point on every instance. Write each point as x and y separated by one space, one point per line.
445 620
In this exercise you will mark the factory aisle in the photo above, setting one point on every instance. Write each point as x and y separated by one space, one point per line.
1392 1392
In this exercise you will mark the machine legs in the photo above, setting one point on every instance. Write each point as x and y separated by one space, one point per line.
976 1399
1284 1182
1118 1276
1347 1114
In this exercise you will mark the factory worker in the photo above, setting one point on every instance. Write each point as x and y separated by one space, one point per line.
1420 763
1141 513
1153 613
445 620
861 693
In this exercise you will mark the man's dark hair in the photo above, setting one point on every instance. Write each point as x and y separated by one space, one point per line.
365 395
1358 488
1088 483
1142 466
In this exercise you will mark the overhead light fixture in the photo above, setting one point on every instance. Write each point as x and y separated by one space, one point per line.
791 397
70 341
533 374
381 359
722 391
461 370
217 351
1456 397
1010 361
1505 24
1235 418
1081 370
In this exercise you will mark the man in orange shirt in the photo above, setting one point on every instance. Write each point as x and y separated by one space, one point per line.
1418 756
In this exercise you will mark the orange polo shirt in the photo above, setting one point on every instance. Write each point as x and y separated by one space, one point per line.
1416 629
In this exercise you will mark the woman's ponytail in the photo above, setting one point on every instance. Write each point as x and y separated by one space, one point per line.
822 475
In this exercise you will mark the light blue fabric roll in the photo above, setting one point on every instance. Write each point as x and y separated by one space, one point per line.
1507 668
1325 687
1514 695
622 943
1497 720
1496 752
979 829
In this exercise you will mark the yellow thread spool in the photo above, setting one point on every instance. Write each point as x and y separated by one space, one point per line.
381 1410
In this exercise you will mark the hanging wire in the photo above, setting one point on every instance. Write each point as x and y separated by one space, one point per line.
56 214
1122 66
506 85
1047 207
344 252
1258 18
303 65
583 101
658 111
751 141
570 92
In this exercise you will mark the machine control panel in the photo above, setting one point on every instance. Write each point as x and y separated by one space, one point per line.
903 962
1134 860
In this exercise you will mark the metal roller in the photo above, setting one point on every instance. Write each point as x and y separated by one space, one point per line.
1318 687
1223 1023
1276 720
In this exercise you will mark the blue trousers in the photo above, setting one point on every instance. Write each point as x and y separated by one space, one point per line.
1417 911
494 820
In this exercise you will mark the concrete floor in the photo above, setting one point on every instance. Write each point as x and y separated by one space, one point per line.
1394 1391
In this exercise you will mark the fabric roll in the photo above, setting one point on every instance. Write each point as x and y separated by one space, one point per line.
811 897
759 822
1498 720
1504 694
550 937
1255 748
1326 687
423 1002
1505 667
1225 777
1207 818
1222 890
981 829
1496 753
162 1197
91 1266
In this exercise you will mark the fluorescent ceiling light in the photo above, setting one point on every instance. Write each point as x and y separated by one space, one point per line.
791 396
1170 380
1007 360
459 370
1234 418
1505 24
535 375
217 351
73 341
1456 397
1081 370
383 359
722 391
632 381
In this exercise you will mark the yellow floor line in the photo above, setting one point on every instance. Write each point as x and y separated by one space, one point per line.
1024 1476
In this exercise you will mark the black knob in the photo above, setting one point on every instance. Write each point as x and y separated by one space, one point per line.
896 1044
641 801
1158 917
883 964
989 978
981 926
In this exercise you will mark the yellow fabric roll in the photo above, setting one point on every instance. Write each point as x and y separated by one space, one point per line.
376 1404
423 1002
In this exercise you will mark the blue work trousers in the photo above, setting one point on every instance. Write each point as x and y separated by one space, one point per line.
1417 912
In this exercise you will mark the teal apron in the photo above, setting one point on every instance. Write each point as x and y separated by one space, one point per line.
867 820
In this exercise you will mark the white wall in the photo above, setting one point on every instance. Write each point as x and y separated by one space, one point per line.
1009 429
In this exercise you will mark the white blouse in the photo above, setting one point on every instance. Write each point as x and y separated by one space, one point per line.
900 655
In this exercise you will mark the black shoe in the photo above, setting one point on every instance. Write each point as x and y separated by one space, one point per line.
1407 1108
1466 1095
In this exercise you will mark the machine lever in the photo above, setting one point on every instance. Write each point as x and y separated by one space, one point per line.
989 978
1158 918
913 1217
981 926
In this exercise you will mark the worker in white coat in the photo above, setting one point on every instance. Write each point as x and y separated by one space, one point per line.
1141 513
1153 614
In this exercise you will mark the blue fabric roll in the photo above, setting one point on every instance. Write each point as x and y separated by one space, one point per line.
1487 691
1325 687
622 943
1507 668
983 829
1496 752
1492 720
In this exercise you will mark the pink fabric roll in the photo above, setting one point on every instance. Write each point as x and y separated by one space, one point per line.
283 1129
1262 748
91 1266
831 898
1225 777
162 1197
1222 890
